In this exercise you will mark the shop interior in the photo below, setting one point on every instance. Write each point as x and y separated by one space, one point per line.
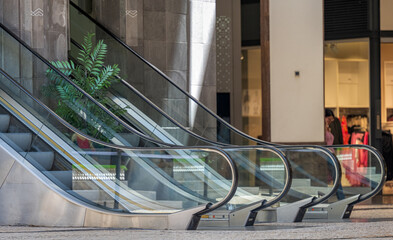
347 87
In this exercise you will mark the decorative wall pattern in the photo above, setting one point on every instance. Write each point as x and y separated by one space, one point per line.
224 54
37 13
132 13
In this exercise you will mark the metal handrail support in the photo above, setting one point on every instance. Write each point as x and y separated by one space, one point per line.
334 211
292 212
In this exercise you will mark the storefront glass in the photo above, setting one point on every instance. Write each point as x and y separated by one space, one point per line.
387 84
252 91
347 87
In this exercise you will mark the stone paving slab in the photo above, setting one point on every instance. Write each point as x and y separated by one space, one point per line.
378 226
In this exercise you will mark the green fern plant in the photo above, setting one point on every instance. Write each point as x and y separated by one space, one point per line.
94 78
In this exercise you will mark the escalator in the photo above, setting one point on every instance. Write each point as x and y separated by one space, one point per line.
48 179
164 115
312 187
145 180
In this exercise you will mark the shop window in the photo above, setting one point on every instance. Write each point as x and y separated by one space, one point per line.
347 85
252 91
387 85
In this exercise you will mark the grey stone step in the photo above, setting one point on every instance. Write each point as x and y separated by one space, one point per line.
19 141
42 160
61 178
4 122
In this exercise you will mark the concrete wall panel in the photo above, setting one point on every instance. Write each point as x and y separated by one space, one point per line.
296 44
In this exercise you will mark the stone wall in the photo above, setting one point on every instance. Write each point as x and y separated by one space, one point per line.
42 24
177 37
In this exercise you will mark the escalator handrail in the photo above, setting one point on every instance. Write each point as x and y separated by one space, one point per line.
286 185
336 163
121 42
148 101
231 163
223 145
288 172
217 149
381 162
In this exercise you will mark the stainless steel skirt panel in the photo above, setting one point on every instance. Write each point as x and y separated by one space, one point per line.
27 197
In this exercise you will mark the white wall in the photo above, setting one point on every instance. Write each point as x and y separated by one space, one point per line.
296 44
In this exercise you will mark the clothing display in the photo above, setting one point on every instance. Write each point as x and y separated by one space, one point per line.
353 123
355 131
344 129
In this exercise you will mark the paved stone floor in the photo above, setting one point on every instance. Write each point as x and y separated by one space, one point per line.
367 222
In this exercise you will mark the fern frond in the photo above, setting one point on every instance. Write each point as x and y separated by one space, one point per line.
88 43
90 74
97 56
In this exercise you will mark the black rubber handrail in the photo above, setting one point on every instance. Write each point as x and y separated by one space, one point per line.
126 125
288 172
297 147
223 145
172 147
324 149
226 146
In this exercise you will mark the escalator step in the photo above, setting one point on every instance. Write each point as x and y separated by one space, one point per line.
61 178
19 141
94 195
44 160
4 122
